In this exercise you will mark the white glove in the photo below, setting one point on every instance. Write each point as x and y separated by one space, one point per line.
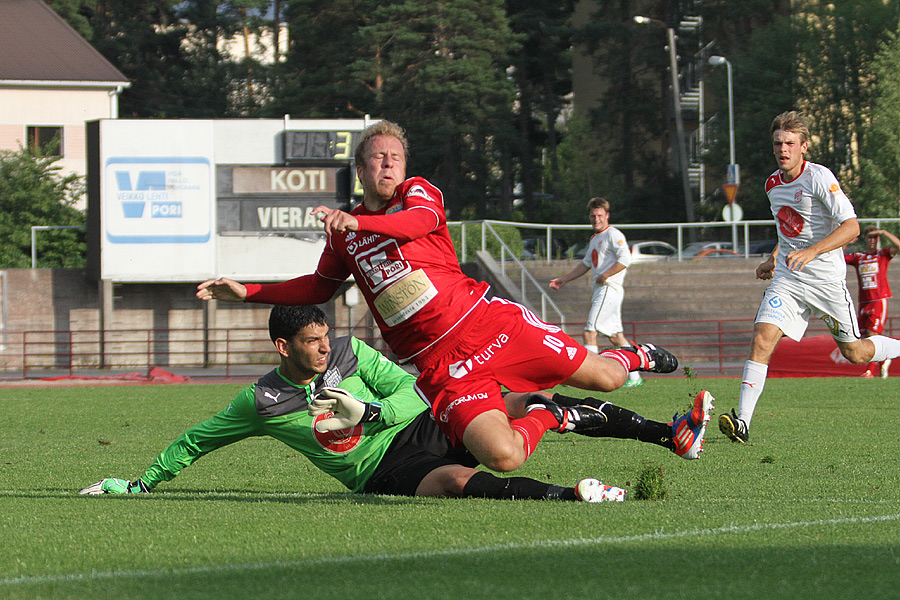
348 410
115 486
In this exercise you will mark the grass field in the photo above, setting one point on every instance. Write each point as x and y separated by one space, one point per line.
809 508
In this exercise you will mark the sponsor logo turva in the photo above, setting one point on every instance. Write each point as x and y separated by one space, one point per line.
460 369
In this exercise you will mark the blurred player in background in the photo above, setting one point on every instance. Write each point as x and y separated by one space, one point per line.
397 247
815 220
874 290
607 257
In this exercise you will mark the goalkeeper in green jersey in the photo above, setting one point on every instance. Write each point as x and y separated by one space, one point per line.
357 417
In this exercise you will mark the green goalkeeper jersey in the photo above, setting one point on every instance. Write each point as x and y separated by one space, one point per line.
276 407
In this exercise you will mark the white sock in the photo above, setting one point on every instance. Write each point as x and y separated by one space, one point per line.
634 376
592 348
752 385
885 348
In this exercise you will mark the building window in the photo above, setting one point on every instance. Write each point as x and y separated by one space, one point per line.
46 141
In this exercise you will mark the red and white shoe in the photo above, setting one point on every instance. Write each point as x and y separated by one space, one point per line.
689 429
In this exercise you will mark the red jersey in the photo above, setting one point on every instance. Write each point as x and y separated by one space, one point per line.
871 272
404 262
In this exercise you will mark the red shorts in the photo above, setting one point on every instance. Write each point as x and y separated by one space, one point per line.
872 316
500 344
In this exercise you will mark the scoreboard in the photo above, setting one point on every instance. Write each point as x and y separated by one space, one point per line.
184 200
302 146
318 170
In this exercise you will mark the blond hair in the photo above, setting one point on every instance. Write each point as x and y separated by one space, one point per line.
380 128
792 121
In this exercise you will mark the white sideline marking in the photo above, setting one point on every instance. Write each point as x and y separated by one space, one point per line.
657 535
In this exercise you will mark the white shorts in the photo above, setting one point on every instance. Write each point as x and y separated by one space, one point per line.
606 311
788 304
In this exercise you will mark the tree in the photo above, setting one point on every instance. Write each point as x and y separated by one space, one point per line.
764 86
542 73
838 43
631 117
316 79
437 68
170 50
879 193
33 193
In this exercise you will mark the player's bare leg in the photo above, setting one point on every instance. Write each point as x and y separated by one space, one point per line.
858 352
494 443
598 373
736 426
609 370
503 444
876 348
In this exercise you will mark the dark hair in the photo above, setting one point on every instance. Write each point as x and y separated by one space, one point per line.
286 321
598 202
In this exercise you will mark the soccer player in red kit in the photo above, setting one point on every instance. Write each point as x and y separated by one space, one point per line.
874 291
397 247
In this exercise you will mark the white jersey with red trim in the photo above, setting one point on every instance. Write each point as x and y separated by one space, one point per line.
605 249
807 210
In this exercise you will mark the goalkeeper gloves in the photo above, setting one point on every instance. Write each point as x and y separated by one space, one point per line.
116 486
348 410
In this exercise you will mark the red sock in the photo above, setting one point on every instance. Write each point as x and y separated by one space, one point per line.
874 367
628 359
532 426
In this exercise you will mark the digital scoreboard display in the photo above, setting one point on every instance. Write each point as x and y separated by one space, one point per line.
302 146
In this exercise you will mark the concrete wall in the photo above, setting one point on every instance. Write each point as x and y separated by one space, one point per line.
59 311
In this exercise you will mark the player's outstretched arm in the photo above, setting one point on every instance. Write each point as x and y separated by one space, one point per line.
113 485
579 270
893 239
222 289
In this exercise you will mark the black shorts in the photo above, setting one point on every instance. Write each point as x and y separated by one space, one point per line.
416 451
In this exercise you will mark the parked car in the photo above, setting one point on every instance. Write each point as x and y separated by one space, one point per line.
695 248
651 251
641 250
715 253
762 247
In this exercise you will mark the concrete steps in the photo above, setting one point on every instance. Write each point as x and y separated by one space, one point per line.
673 291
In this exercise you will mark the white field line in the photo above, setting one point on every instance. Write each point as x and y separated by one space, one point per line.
428 554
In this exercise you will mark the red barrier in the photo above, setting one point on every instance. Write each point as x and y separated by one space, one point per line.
815 356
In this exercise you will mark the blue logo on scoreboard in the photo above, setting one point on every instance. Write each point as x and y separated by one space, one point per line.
158 200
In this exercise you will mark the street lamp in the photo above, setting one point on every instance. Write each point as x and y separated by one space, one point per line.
716 61
733 173
679 121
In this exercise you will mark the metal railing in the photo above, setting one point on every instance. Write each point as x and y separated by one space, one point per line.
741 232
709 347
526 279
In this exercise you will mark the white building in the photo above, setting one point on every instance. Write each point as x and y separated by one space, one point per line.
51 82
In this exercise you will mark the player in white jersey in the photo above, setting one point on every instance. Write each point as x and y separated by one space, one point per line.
815 220
607 257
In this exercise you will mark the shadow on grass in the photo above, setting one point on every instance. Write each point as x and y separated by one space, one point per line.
256 496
